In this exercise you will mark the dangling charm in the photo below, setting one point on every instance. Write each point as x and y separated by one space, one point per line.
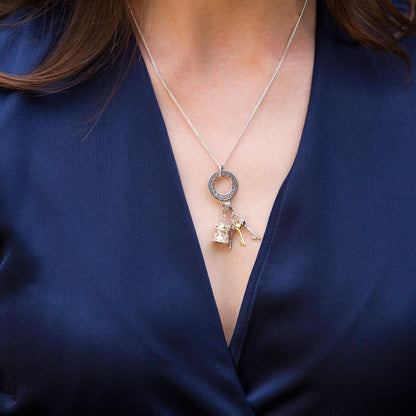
224 230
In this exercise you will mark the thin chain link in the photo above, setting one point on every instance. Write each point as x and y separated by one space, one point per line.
256 107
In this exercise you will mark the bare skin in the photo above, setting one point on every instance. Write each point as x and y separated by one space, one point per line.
217 56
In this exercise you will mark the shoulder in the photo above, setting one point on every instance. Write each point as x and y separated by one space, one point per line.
402 5
358 68
25 42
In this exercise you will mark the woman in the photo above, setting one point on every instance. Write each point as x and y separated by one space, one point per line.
113 297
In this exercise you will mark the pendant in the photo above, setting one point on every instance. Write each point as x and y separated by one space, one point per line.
230 221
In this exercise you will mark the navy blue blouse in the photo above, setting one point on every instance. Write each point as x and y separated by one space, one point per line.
104 312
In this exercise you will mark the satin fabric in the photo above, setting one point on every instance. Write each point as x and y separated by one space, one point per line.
105 303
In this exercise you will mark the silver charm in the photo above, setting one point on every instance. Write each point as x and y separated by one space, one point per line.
223 174
223 233
224 230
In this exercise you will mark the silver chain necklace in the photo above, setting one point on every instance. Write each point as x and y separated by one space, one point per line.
230 221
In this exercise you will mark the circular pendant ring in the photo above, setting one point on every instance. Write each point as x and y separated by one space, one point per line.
218 195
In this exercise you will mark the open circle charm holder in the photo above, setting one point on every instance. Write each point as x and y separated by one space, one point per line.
218 195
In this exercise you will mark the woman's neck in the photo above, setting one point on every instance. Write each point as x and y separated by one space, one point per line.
211 31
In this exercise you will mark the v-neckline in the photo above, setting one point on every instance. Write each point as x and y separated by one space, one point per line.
237 339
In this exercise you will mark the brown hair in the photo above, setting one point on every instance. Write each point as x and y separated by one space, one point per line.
95 33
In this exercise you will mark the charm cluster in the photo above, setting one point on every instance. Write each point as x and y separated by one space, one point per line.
229 224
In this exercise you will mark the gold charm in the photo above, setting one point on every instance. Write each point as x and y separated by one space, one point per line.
237 227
